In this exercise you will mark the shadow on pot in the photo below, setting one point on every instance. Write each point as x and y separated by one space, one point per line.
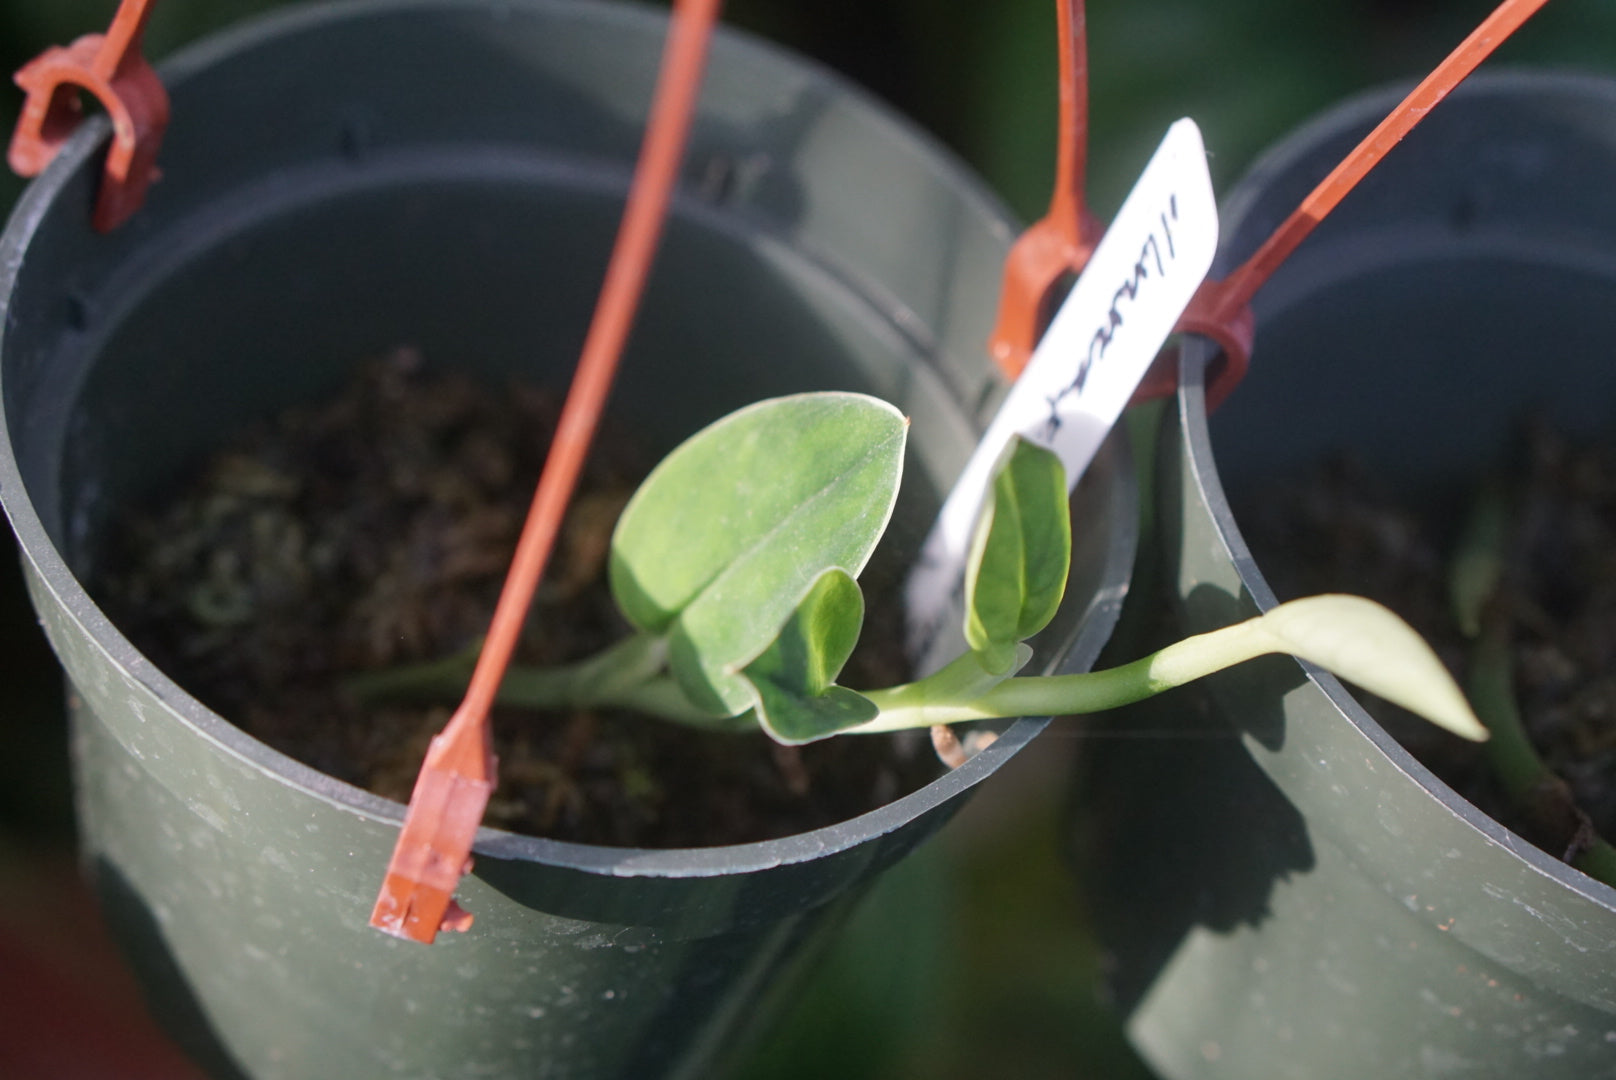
162 981
1166 872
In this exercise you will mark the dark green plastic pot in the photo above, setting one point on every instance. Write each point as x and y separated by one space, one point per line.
448 174
1286 891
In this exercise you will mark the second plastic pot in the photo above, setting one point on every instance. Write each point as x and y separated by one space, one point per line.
1287 892
448 174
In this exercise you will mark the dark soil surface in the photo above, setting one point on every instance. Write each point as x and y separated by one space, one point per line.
374 530
1342 530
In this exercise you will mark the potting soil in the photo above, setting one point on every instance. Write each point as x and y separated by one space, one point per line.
374 530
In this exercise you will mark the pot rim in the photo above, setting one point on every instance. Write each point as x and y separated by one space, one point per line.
51 572
1361 111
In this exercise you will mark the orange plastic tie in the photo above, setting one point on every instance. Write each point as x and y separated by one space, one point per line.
111 67
1061 242
1221 310
451 793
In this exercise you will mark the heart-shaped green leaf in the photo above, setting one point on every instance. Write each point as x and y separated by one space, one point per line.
793 678
731 529
1016 573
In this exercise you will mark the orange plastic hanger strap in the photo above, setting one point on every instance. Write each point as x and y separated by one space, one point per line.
1221 310
1059 244
451 793
111 67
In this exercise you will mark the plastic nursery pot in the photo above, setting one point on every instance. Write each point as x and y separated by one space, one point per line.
448 174
1297 895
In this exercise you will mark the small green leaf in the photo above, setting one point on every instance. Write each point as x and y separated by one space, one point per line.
733 527
1016 573
1362 642
794 720
817 639
793 678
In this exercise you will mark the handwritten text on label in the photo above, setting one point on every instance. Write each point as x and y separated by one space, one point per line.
1097 349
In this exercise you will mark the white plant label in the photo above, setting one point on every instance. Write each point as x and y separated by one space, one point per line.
1083 372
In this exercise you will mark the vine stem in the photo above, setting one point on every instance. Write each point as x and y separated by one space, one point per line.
1521 771
934 700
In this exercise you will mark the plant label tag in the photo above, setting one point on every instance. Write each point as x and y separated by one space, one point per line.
1083 372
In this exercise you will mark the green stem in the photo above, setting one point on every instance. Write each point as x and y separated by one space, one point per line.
1598 861
933 700
574 687
1478 561
1475 577
1510 752
1355 638
1514 760
628 675
431 680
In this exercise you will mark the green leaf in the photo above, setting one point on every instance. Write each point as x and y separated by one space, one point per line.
793 678
732 528
1019 556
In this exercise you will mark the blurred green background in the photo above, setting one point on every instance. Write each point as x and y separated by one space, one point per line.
971 959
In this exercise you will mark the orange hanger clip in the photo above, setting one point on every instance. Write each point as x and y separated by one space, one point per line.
111 67
1059 245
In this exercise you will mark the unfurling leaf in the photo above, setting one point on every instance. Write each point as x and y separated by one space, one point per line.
1362 642
727 533
793 678
1016 573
